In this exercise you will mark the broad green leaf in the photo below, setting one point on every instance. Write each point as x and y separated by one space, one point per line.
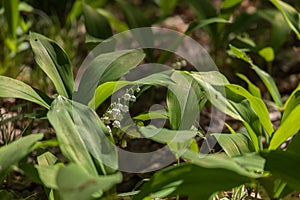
54 62
205 22
157 114
253 89
289 127
96 24
12 14
291 103
12 153
211 77
264 76
270 85
80 132
257 105
77 8
205 175
189 180
253 162
183 102
48 174
106 67
230 3
290 14
234 144
12 88
249 119
284 165
74 183
166 6
115 23
239 54
165 136
216 97
267 53
177 140
47 159
222 161
62 117
106 89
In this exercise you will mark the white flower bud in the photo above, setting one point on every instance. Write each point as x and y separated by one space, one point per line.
133 98
127 96
116 124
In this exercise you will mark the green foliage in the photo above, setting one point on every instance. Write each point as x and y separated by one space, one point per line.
54 62
13 153
251 157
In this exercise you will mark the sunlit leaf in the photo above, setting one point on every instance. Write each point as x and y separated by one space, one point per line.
80 132
234 144
253 89
12 88
289 127
106 67
54 62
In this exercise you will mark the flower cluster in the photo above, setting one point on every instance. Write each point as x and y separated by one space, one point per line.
116 111
179 64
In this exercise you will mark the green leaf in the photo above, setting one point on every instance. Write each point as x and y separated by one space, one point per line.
292 102
165 136
267 53
290 14
12 153
80 132
264 76
253 89
47 159
289 127
205 175
74 183
115 23
12 14
253 162
62 117
205 10
205 22
48 175
284 165
157 114
230 3
234 144
54 62
270 85
12 88
240 54
106 89
257 105
216 97
183 102
166 6
135 18
96 24
106 67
